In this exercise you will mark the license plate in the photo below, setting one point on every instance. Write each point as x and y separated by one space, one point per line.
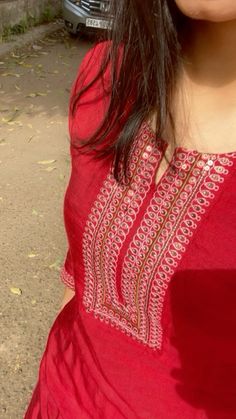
97 23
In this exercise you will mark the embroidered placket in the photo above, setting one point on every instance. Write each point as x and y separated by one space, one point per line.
174 212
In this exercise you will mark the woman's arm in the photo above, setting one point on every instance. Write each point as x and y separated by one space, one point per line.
68 295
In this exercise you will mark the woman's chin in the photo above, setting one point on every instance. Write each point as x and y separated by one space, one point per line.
209 10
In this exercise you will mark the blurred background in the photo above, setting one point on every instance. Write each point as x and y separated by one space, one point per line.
42 44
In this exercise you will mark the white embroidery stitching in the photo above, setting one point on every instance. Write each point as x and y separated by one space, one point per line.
66 278
161 239
176 208
111 218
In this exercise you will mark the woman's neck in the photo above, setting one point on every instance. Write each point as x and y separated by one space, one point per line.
204 104
204 101
209 52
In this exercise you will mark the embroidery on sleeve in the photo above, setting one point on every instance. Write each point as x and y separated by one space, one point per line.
67 278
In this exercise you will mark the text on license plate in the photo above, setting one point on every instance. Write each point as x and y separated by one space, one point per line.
97 23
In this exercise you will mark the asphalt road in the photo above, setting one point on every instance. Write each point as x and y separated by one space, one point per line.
34 171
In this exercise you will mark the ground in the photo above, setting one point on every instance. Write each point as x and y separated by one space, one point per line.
34 167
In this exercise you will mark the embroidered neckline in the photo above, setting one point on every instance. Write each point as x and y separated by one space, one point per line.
127 291
179 149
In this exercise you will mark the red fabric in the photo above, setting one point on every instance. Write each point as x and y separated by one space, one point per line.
157 341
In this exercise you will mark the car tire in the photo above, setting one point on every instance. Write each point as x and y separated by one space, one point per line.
71 34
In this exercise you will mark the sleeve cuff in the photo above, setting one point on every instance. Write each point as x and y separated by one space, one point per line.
66 278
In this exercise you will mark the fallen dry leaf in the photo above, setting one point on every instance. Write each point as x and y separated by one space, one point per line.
14 55
12 116
31 95
11 74
18 367
23 64
46 161
53 72
16 291
36 94
36 47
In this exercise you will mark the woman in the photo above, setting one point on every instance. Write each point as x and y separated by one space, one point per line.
150 213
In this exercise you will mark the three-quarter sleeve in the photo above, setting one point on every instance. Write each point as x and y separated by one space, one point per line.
81 126
66 272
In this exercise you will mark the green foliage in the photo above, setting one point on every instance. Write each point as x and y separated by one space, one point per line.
25 24
17 29
47 15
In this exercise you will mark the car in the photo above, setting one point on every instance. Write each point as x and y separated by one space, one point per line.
86 15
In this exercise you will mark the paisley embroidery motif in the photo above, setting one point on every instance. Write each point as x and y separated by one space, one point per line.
173 213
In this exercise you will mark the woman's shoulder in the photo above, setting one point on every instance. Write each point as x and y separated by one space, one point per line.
90 65
90 93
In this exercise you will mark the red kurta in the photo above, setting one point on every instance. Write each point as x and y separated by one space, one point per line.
151 331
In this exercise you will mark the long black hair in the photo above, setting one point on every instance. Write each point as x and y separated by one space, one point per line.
145 72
